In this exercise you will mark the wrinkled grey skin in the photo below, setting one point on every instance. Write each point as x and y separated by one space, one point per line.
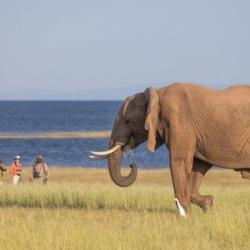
201 127
129 128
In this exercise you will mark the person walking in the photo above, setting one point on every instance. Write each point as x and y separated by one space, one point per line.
2 169
15 170
40 169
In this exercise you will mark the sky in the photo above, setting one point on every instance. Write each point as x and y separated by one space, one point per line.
78 49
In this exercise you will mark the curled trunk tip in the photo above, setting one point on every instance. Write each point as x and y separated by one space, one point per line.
114 163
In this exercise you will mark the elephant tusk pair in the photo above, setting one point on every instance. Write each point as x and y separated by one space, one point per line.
104 154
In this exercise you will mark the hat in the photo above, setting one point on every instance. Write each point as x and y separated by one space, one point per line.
18 157
39 157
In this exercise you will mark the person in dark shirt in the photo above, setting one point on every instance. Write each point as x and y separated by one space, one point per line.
40 169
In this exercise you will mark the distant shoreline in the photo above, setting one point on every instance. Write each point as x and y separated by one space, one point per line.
160 176
56 135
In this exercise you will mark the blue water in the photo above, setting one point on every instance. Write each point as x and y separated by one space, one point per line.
50 116
55 116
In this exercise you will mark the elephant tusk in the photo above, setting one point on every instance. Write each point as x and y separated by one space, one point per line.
107 152
180 208
95 157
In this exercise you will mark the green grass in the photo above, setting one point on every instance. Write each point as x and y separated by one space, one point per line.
87 197
95 214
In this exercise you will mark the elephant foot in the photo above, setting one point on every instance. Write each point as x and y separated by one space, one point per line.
205 202
245 174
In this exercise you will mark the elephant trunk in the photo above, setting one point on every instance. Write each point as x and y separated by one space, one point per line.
114 164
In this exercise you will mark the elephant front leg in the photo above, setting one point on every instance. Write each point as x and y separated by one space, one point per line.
181 143
179 171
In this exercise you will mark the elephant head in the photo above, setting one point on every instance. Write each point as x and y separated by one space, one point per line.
136 121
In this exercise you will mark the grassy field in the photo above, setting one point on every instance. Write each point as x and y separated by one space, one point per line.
83 209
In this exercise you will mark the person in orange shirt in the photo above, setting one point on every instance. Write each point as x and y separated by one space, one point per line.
15 170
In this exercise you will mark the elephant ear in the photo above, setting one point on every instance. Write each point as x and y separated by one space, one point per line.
152 117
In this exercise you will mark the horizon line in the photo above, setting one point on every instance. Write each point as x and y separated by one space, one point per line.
61 100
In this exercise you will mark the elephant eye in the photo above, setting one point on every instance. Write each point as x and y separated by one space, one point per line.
127 122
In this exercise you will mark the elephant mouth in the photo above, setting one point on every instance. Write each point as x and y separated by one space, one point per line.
115 155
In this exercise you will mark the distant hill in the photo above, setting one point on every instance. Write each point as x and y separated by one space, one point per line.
114 93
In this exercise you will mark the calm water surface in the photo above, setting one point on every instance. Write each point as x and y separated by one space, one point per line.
62 116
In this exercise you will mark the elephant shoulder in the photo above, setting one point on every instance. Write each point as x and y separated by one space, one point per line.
178 93
176 98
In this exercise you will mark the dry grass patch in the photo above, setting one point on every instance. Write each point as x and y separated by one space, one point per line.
82 209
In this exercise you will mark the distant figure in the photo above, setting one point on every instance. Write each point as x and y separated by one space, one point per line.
2 169
15 170
40 169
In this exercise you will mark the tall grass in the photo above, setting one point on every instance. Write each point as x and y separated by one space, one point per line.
98 215
85 196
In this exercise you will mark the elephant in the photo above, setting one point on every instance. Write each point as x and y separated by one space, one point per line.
200 126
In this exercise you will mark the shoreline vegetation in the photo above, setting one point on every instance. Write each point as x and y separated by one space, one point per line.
81 208
56 135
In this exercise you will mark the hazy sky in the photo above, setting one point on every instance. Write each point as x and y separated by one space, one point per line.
107 49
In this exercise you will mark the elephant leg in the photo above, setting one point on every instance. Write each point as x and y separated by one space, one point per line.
199 170
180 183
181 147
